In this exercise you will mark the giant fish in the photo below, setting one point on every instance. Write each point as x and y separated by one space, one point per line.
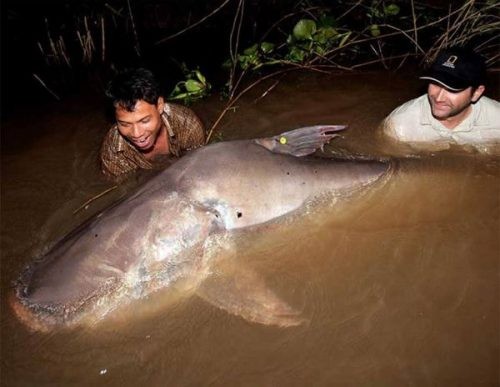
161 234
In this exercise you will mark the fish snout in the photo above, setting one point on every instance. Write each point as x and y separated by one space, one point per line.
26 315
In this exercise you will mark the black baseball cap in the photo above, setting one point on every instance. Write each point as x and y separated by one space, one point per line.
457 69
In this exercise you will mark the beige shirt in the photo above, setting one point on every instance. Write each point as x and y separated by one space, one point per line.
413 123
185 131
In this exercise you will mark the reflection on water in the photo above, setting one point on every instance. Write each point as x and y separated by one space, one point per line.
399 286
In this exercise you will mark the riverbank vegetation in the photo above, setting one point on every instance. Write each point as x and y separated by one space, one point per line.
233 45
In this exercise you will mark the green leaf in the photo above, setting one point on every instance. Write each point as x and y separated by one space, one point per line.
177 88
296 54
344 38
304 29
192 85
200 77
179 96
266 47
375 30
325 35
392 10
251 50
319 50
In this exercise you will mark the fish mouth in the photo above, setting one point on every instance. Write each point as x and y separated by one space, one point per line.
36 317
27 316
46 316
16 299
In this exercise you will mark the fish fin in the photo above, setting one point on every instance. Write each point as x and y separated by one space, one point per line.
302 141
243 293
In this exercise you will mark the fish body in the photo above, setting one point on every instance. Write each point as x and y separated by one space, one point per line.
159 235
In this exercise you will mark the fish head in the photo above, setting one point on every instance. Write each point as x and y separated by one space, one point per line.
122 254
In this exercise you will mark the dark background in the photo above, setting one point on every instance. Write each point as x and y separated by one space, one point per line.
26 24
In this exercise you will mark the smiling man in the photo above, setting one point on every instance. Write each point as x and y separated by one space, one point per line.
148 130
454 110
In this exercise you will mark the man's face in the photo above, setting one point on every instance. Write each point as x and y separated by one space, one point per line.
447 104
142 125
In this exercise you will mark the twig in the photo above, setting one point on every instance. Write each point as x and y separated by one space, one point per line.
379 45
415 33
137 46
350 9
94 198
83 40
103 39
405 33
354 42
380 60
451 30
480 46
193 25
45 56
62 50
46 87
268 90
405 56
118 13
55 57
231 102
89 42
233 48
286 17
492 60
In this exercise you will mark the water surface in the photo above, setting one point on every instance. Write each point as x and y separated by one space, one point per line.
399 285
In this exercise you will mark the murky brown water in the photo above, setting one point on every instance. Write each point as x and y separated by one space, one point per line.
400 286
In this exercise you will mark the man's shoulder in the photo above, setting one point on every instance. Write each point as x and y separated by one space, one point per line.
490 102
174 109
487 117
188 131
489 105
411 108
405 122
181 118
112 140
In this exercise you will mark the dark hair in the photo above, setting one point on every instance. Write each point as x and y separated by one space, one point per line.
133 85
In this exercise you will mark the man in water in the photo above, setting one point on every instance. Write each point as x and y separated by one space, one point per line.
454 110
148 130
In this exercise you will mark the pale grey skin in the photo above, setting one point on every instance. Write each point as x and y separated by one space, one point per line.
159 235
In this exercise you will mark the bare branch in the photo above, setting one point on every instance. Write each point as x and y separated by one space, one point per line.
194 24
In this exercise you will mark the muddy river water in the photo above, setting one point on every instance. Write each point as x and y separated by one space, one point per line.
398 286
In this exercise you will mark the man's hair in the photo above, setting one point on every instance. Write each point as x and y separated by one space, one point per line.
132 85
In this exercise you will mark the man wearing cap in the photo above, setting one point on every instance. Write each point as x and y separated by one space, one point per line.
454 110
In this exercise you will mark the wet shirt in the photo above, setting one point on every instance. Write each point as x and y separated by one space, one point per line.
413 123
185 131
